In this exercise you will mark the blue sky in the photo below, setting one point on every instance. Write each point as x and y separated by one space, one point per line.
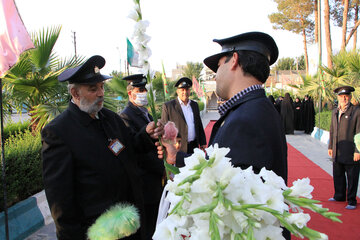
180 31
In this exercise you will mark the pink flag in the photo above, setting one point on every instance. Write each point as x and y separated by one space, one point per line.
196 86
14 38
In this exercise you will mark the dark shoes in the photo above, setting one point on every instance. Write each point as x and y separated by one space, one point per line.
335 200
350 207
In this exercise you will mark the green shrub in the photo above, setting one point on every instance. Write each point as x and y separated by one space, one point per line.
201 105
325 120
14 128
23 167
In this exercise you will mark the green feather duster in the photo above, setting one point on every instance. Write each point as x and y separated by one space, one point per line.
357 141
119 221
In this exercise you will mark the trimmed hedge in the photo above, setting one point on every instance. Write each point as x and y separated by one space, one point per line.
23 167
14 128
201 105
325 120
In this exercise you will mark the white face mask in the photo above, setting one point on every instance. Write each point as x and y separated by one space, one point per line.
141 99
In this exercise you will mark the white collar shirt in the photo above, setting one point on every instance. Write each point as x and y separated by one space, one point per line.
189 118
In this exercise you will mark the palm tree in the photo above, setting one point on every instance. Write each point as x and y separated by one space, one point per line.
33 83
345 71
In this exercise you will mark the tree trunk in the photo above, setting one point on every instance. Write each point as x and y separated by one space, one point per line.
344 25
355 20
316 20
352 31
328 33
305 53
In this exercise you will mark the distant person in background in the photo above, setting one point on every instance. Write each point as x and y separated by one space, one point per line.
278 103
136 116
185 114
287 114
345 123
297 114
272 99
308 114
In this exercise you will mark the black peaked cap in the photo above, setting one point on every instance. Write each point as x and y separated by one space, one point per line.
251 41
87 73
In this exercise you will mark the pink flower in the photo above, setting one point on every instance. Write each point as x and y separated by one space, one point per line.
170 132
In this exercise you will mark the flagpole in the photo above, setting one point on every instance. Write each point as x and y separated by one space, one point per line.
3 165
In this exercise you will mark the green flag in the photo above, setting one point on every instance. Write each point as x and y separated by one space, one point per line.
132 55
163 76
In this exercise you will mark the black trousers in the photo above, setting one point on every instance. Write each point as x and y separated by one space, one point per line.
191 145
346 176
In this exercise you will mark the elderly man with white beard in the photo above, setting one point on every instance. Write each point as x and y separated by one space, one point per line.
89 161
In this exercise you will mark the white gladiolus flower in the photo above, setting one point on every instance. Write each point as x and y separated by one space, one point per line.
268 232
167 229
299 219
271 178
133 15
302 188
237 200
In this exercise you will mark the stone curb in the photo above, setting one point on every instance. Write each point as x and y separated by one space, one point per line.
26 217
321 135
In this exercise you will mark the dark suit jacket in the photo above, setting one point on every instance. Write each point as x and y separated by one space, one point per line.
171 111
82 177
152 168
253 131
341 139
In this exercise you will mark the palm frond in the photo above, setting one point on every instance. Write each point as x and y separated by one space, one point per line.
42 56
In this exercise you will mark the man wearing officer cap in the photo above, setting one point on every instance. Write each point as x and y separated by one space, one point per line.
89 156
345 123
249 124
186 116
136 116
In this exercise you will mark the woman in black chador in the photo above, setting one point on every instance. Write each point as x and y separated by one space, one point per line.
308 115
287 114
297 114
272 100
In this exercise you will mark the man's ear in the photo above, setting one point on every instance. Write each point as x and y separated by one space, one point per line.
75 93
234 61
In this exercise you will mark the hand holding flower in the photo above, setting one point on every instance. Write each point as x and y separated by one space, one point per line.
155 132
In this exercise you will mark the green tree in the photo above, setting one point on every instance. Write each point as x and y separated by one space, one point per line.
345 15
345 71
115 88
295 16
32 82
287 63
193 69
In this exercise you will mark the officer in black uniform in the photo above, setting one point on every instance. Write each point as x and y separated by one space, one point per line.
136 116
89 161
345 123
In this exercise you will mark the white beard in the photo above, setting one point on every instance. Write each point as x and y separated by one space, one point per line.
91 108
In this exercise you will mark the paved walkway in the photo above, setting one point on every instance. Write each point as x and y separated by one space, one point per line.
312 148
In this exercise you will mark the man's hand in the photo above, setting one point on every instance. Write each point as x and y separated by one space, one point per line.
356 157
169 150
330 152
155 132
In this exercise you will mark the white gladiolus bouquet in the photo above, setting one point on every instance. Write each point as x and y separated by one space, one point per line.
210 199
141 40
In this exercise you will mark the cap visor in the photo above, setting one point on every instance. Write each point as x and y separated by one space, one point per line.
212 61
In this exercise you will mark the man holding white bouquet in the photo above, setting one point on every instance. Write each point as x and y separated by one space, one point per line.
249 124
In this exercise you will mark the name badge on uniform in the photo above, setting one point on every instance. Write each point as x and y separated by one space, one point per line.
116 146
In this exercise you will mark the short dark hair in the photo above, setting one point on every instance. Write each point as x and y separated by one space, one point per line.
252 63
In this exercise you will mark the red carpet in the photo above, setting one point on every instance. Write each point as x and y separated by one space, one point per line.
300 166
